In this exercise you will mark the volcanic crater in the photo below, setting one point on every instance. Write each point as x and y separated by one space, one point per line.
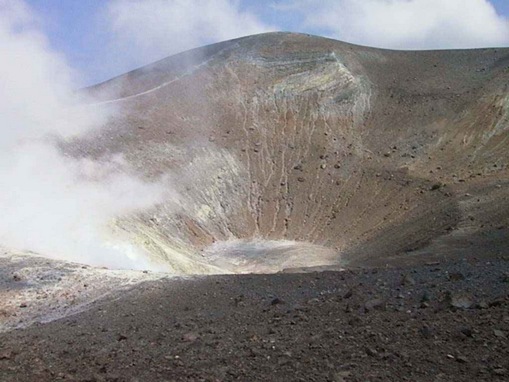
289 152
377 178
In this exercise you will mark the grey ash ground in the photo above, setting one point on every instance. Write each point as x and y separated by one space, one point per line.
435 322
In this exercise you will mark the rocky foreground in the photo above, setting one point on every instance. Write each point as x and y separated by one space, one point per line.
435 322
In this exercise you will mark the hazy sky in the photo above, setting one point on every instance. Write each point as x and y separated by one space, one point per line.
104 38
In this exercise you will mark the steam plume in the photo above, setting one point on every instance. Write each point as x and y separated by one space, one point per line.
50 203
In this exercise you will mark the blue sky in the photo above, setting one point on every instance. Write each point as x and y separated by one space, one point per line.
502 6
101 38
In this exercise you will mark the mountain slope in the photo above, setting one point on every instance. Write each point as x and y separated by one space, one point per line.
293 151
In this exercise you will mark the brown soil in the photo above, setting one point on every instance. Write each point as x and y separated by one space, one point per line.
437 322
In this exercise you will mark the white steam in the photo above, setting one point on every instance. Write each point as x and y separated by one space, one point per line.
52 204
144 31
404 24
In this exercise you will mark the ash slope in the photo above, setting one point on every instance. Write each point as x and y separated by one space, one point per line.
376 157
